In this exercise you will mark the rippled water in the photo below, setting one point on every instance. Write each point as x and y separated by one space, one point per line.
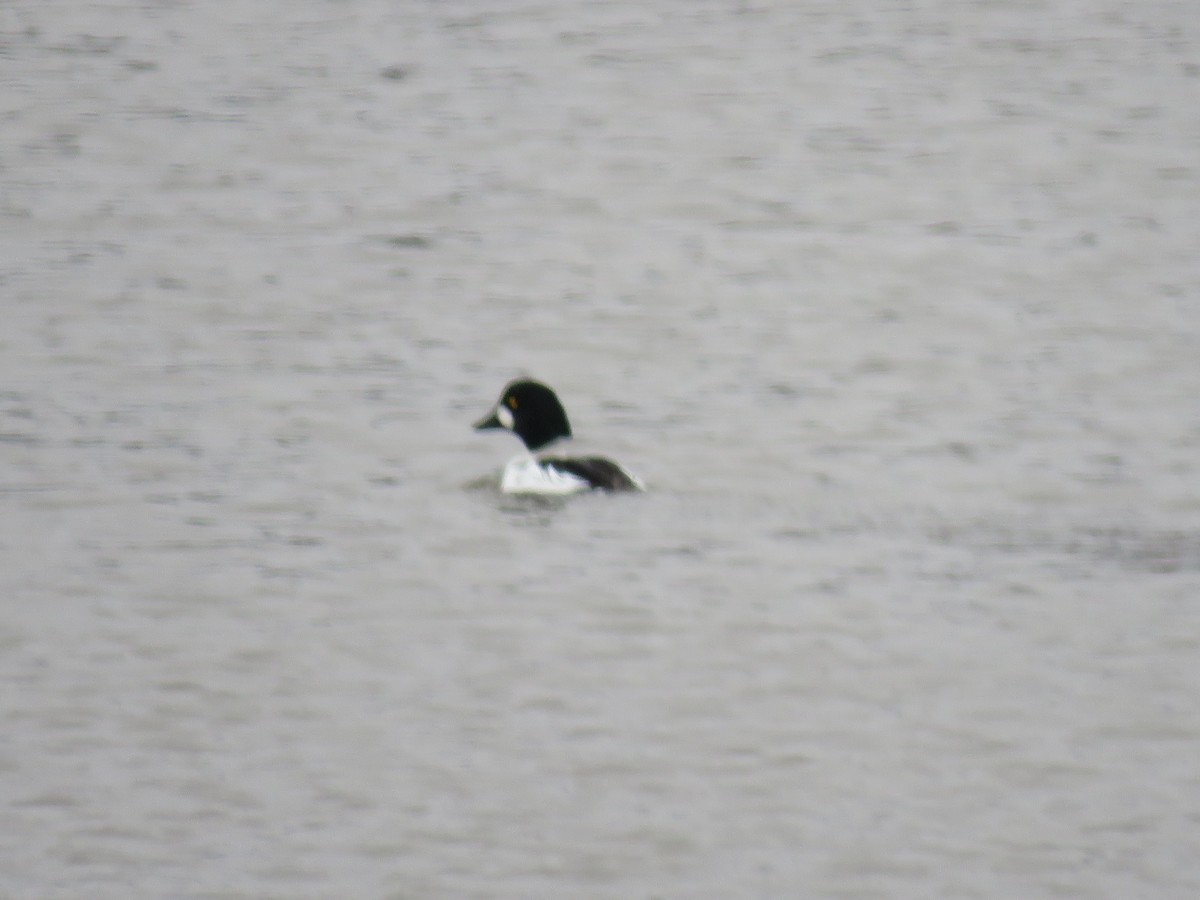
894 308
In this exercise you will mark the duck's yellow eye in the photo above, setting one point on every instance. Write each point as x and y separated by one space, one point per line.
512 402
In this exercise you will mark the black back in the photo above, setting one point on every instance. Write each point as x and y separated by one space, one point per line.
596 471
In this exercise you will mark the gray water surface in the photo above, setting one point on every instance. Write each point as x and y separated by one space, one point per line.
894 307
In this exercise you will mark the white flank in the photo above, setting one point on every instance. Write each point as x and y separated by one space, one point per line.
524 475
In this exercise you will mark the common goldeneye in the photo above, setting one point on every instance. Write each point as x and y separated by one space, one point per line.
533 413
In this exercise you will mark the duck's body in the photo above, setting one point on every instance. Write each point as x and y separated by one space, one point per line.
533 413
528 474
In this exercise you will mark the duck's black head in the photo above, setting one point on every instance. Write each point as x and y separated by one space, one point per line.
531 411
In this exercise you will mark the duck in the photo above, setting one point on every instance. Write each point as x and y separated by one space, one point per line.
533 412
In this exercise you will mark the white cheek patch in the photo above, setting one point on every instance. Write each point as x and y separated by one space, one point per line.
504 416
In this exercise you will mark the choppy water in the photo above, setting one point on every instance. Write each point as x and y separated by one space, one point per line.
896 308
